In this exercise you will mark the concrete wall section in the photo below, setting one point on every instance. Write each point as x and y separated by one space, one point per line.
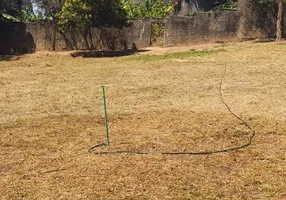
202 27
138 34
258 19
42 35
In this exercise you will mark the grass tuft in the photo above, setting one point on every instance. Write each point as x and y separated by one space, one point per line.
175 55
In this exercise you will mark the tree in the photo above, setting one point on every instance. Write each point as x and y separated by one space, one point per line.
76 14
279 24
50 8
11 7
17 10
108 13
84 14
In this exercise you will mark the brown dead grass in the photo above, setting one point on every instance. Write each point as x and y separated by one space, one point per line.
51 114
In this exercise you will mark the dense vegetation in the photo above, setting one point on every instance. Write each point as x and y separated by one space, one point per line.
100 12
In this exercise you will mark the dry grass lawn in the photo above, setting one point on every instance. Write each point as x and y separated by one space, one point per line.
52 113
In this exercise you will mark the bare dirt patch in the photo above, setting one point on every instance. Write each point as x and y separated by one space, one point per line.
51 114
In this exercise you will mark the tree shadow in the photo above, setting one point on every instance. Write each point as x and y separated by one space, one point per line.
9 57
106 53
15 40
265 40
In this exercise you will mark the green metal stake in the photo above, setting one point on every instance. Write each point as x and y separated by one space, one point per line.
105 115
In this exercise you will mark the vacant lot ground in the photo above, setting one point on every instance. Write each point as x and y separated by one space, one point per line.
51 114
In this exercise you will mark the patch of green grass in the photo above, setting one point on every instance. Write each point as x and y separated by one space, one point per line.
176 55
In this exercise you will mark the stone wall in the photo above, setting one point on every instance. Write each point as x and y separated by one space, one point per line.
138 33
202 27
258 19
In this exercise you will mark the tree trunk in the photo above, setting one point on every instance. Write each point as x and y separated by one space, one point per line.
54 35
90 38
280 21
85 34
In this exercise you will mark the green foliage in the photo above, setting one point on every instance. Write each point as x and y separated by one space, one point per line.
228 5
86 13
10 18
10 10
190 14
224 4
74 13
11 7
133 11
27 15
50 8
146 8
19 11
158 29
108 13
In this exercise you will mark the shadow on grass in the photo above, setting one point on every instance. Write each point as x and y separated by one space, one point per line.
265 40
104 53
9 57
